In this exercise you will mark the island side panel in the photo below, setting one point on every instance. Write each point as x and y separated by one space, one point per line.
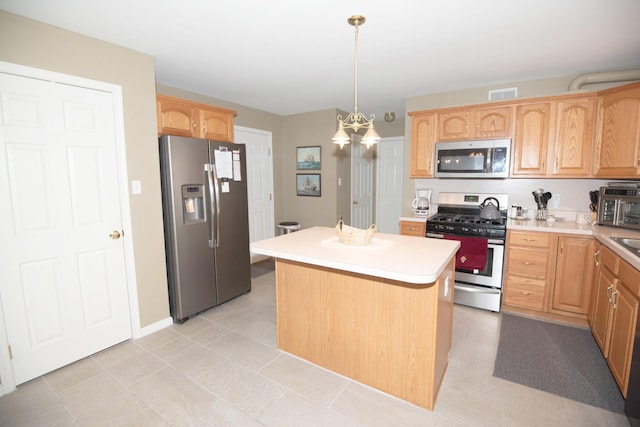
380 332
444 334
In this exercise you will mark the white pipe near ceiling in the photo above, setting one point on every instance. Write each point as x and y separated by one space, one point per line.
604 77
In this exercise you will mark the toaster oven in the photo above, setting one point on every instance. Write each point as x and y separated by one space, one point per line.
619 205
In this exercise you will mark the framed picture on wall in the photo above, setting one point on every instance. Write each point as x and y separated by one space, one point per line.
308 158
308 184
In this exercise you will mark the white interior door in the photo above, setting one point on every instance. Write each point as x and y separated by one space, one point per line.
259 184
63 282
361 183
389 169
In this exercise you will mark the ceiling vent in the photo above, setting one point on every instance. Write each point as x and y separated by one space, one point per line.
502 94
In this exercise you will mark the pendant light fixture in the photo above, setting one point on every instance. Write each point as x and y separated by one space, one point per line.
356 120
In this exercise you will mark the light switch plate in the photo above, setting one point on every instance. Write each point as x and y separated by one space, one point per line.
136 187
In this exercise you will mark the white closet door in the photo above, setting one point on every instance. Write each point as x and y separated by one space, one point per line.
63 283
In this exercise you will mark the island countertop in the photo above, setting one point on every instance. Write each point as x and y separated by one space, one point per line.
390 256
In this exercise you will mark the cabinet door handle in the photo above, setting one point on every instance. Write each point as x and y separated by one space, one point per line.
194 125
595 258
609 292
614 298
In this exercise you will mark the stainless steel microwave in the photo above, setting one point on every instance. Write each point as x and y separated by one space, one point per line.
488 158
619 205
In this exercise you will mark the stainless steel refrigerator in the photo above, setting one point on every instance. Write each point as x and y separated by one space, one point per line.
206 223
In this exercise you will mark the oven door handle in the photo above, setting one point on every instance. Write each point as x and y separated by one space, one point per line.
475 289
489 241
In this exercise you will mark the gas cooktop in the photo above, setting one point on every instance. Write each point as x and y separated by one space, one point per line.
459 213
467 219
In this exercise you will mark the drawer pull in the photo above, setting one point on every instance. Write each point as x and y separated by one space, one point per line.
525 293
527 263
529 240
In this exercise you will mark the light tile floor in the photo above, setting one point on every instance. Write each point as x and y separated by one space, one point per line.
222 368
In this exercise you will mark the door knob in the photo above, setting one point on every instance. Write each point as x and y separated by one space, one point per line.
115 234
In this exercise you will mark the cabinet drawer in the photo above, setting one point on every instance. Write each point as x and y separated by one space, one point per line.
411 228
527 262
630 277
535 240
609 259
527 293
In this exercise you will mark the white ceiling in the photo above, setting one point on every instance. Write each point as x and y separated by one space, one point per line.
293 56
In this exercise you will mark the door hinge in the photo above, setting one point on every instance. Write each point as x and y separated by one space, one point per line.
270 197
10 353
269 151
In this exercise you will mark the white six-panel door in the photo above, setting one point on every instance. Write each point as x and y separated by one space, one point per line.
361 183
389 176
258 144
63 282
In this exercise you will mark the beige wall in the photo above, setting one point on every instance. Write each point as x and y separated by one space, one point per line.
311 129
38 45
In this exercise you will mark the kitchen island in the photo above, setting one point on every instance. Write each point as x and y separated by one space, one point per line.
380 314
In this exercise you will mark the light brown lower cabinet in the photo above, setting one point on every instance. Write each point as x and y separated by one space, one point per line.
548 273
413 228
574 275
614 312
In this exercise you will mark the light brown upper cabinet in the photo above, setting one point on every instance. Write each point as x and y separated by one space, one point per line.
531 141
474 122
423 139
618 137
554 138
573 138
185 118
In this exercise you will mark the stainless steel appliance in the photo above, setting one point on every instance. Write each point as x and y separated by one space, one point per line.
206 223
619 205
473 159
459 218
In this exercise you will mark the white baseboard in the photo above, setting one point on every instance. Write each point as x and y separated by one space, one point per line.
154 327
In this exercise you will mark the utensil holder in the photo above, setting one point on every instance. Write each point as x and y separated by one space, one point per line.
541 214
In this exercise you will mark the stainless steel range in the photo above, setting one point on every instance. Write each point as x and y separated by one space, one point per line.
479 262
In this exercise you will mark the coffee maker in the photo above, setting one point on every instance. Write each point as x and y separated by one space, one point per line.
421 203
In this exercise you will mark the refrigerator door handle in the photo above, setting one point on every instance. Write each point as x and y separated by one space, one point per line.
214 197
213 205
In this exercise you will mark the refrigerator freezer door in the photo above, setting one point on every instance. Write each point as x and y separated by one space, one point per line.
233 262
190 261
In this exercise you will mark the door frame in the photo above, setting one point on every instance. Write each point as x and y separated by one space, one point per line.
7 382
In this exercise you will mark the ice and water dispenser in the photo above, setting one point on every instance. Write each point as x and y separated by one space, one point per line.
193 203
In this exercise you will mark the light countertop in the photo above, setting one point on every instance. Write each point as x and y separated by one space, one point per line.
414 218
390 256
600 232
